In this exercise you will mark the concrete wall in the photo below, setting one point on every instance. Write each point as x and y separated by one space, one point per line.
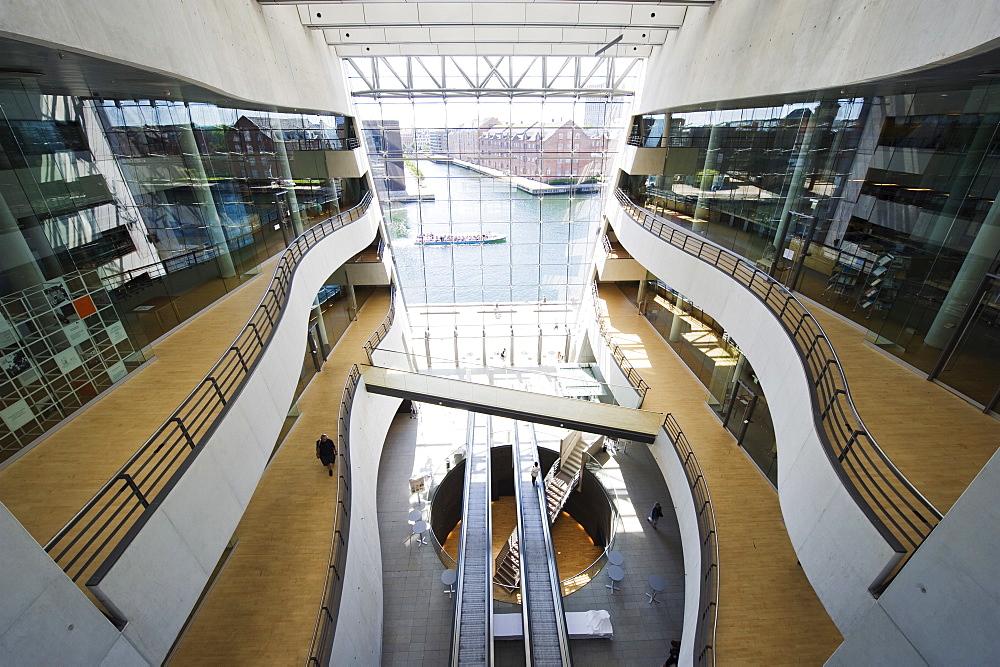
610 270
687 520
840 551
162 572
616 381
358 636
45 619
750 48
944 606
238 48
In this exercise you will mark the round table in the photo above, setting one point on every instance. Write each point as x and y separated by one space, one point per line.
657 585
616 558
419 504
415 515
616 574
448 578
418 529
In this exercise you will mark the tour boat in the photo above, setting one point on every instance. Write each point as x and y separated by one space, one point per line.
458 239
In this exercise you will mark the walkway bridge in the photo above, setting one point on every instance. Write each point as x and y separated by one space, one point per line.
601 418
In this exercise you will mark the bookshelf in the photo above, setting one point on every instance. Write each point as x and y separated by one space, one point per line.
883 282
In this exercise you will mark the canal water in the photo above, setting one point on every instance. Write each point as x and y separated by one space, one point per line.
549 248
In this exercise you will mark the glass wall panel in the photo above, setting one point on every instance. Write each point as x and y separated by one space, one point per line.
119 219
881 208
492 201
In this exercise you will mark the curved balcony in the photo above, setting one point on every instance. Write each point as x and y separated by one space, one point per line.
256 376
852 516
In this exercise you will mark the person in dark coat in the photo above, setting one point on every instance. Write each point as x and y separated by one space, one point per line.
655 514
326 452
675 654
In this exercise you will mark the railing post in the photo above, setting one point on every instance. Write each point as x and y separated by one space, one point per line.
218 390
135 488
184 430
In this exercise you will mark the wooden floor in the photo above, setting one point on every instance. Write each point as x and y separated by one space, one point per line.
263 607
938 440
768 612
49 484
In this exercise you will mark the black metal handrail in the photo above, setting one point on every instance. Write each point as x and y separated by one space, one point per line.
708 599
326 619
624 364
92 541
383 329
898 511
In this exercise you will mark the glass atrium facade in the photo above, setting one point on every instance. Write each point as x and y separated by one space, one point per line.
523 167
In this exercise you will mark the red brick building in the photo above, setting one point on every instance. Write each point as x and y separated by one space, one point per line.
544 153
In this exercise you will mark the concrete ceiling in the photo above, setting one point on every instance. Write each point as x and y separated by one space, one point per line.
493 27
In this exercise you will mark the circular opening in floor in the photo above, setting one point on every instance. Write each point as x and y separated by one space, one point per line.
582 531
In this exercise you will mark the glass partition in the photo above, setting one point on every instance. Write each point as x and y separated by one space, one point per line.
123 218
881 208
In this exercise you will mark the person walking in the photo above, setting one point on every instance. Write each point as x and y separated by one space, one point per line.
654 515
534 473
675 654
503 355
326 452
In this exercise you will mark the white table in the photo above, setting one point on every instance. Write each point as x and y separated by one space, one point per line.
657 585
616 558
419 528
415 515
616 574
448 578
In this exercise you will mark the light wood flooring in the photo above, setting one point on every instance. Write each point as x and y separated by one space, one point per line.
768 612
52 482
263 607
938 440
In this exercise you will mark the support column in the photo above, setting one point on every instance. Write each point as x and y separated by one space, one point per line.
321 324
641 297
675 324
539 346
511 356
205 199
456 347
981 256
427 346
484 346
352 299
411 360
824 114
286 174
972 160
701 212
